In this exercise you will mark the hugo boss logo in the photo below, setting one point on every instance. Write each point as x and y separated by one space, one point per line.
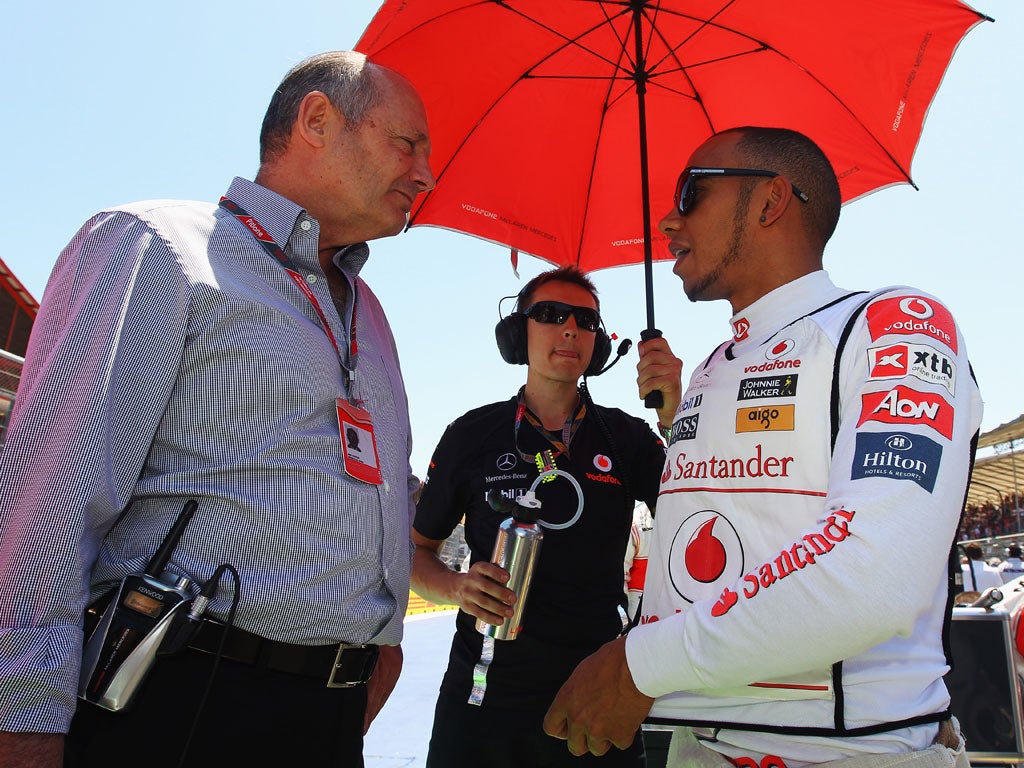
684 428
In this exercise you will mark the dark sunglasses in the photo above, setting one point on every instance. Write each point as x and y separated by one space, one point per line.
556 313
686 191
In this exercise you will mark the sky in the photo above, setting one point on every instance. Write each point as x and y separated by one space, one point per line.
115 101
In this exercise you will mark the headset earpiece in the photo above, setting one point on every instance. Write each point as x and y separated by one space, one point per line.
510 334
511 337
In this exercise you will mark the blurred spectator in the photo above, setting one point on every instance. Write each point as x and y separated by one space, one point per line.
988 519
1012 567
635 565
978 575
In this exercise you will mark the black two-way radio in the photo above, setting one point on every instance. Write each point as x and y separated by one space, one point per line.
121 649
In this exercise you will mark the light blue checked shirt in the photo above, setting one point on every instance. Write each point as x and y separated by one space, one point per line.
174 358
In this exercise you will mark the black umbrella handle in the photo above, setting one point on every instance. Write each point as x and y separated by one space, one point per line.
654 399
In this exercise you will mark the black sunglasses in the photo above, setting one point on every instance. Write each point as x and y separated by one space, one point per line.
686 192
556 313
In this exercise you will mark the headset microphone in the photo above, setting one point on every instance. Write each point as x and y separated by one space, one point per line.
624 346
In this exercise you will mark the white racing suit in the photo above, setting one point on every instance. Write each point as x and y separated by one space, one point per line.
797 592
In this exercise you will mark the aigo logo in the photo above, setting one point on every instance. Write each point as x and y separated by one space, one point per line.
705 556
766 418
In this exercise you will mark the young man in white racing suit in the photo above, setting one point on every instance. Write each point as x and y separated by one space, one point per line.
777 628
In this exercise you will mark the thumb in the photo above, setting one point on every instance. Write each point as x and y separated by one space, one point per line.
556 725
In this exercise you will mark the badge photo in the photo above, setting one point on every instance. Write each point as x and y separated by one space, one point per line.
359 445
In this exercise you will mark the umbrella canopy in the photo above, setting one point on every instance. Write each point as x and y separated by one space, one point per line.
555 123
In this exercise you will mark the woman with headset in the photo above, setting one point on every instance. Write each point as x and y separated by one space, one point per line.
495 692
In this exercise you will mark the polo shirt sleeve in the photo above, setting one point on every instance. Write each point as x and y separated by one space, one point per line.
444 498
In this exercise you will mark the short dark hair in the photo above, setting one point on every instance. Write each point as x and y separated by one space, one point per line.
568 274
351 83
1013 551
974 551
804 164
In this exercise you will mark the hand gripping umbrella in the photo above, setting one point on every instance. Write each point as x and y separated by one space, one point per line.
554 121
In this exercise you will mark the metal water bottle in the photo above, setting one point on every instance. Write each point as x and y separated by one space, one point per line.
516 550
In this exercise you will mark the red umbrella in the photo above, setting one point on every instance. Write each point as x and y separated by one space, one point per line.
554 121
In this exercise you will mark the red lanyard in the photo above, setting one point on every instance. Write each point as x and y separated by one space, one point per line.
568 429
271 247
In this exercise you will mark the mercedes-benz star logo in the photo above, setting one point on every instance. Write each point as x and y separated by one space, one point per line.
506 461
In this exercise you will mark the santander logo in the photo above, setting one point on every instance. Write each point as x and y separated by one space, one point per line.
740 329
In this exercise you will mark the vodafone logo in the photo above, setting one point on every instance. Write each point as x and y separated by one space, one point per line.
705 557
774 354
908 315
904 405
780 349
740 329
917 307
603 463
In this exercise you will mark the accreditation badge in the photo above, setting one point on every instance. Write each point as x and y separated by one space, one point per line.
358 443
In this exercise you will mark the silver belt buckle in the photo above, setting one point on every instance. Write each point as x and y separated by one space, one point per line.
342 647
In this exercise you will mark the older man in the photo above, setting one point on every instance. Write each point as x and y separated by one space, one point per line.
224 354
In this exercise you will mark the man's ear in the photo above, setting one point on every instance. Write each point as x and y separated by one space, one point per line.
315 116
780 197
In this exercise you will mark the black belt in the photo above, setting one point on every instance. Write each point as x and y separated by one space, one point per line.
343 665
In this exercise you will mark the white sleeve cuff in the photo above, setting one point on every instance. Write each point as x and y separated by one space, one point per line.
657 658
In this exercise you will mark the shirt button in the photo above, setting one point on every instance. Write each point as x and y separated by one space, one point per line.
387 487
304 226
310 279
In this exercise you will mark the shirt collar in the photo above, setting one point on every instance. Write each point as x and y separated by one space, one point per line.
284 220
351 258
758 322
